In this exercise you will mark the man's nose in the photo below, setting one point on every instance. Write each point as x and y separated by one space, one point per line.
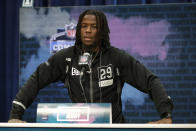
88 29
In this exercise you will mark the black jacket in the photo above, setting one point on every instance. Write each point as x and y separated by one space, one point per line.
111 68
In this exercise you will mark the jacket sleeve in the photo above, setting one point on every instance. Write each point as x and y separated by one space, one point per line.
137 75
46 73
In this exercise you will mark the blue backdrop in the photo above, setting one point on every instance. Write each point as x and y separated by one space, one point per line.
9 43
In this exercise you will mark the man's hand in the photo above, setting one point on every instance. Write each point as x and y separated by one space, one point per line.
162 121
16 121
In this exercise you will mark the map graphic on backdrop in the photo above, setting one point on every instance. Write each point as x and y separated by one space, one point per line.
162 37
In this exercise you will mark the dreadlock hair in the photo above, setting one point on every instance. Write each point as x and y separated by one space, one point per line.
103 39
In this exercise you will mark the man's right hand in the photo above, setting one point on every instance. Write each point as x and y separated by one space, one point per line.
16 121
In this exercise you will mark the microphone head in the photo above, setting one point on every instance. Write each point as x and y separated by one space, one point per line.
86 54
85 59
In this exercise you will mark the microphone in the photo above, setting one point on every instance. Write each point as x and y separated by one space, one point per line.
84 61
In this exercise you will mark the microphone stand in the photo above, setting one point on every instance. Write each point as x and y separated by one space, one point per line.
82 74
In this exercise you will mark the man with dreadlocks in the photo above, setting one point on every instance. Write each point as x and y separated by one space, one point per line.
110 68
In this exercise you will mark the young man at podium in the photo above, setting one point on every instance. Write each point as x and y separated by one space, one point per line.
94 72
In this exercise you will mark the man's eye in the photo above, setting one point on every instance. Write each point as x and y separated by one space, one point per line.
84 26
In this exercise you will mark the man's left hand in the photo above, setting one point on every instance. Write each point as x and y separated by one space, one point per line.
162 121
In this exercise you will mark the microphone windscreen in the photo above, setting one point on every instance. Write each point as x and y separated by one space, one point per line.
84 59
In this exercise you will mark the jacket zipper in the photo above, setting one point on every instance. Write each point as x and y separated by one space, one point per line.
91 86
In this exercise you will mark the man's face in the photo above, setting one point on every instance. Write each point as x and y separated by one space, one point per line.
88 29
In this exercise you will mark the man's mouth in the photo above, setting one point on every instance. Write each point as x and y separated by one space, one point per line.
87 38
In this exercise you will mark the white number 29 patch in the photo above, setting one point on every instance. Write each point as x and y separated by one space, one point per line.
105 75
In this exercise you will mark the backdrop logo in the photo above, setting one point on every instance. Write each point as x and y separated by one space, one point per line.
70 30
64 38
